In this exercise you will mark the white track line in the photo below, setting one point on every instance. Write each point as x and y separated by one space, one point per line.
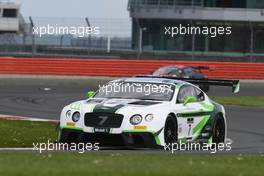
16 149
11 117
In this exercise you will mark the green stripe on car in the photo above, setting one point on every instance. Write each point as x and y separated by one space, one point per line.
75 106
198 128
207 106
72 128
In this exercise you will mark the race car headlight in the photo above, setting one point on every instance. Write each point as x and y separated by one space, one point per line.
136 119
149 117
76 117
68 114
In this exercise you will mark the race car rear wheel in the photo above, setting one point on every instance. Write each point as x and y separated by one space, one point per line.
170 130
218 130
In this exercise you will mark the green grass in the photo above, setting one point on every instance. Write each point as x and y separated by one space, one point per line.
24 133
100 164
253 101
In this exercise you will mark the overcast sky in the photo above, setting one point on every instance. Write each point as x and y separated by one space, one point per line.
75 8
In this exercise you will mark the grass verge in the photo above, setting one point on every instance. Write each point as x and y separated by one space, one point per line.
30 164
24 133
252 101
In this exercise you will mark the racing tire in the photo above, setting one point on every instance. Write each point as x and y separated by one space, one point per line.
218 131
170 130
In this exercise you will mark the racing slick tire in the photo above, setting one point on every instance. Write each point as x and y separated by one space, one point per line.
218 131
170 130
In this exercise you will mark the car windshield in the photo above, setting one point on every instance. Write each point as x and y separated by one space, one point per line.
165 71
189 70
137 90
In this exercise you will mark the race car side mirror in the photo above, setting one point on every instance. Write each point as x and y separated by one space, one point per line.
90 94
189 99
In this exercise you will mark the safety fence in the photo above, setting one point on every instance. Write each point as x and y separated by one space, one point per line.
119 68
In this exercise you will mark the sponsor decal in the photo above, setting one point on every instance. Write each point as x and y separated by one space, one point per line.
71 124
190 120
101 130
140 127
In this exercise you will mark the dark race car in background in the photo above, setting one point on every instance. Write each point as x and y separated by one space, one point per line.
180 71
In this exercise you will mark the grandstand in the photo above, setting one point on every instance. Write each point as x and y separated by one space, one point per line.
246 18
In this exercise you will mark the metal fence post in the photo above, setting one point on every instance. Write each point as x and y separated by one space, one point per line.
140 39
251 41
24 42
89 25
108 44
33 36
193 43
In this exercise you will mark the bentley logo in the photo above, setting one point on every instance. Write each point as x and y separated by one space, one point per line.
103 119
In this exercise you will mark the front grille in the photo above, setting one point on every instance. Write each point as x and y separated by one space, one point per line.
103 120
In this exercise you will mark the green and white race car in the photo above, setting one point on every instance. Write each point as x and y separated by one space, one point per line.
146 111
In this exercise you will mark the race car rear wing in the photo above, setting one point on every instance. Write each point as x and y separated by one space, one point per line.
235 84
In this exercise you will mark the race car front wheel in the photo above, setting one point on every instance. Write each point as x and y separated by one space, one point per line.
170 130
219 130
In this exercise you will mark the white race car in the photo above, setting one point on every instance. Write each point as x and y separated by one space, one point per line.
146 111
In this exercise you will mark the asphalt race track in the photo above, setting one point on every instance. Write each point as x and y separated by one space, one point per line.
44 97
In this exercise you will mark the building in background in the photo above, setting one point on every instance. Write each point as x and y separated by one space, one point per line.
246 17
10 18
